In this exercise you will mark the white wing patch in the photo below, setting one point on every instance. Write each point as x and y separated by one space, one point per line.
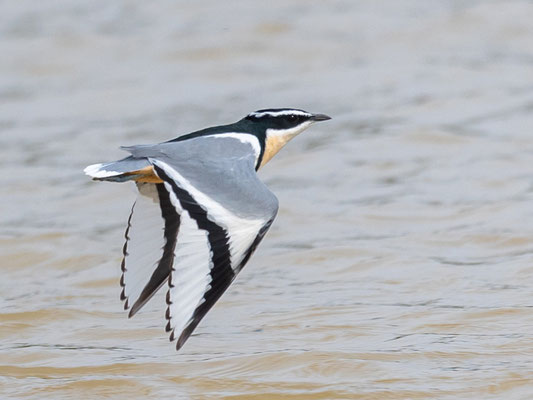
241 231
144 243
190 276
195 255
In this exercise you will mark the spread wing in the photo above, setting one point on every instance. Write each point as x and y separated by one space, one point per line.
149 248
211 218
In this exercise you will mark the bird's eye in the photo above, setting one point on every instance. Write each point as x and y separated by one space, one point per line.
293 118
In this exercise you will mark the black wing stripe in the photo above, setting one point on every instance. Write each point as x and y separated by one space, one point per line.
164 267
254 245
222 273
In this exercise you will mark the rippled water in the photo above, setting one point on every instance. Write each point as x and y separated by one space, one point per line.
400 265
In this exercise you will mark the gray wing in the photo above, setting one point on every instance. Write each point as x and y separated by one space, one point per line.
224 212
222 168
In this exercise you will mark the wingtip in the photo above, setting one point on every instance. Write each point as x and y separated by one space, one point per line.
183 339
135 308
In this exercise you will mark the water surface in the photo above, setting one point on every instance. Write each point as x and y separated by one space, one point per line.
400 264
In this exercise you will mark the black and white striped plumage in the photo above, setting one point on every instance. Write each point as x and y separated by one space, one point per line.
200 213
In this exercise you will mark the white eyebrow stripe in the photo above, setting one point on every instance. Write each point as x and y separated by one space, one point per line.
280 113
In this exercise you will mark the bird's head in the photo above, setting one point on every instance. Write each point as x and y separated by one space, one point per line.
280 125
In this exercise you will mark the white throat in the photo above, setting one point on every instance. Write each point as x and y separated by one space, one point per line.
277 138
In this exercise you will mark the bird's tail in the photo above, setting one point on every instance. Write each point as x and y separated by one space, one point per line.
127 169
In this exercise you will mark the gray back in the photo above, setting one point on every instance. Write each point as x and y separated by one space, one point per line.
221 168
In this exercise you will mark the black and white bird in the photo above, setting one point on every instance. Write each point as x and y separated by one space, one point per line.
200 213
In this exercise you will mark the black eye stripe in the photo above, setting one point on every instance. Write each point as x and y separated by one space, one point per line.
278 120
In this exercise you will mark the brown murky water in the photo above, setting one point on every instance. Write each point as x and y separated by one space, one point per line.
401 262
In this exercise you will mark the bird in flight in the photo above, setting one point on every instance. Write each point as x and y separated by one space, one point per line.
200 213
